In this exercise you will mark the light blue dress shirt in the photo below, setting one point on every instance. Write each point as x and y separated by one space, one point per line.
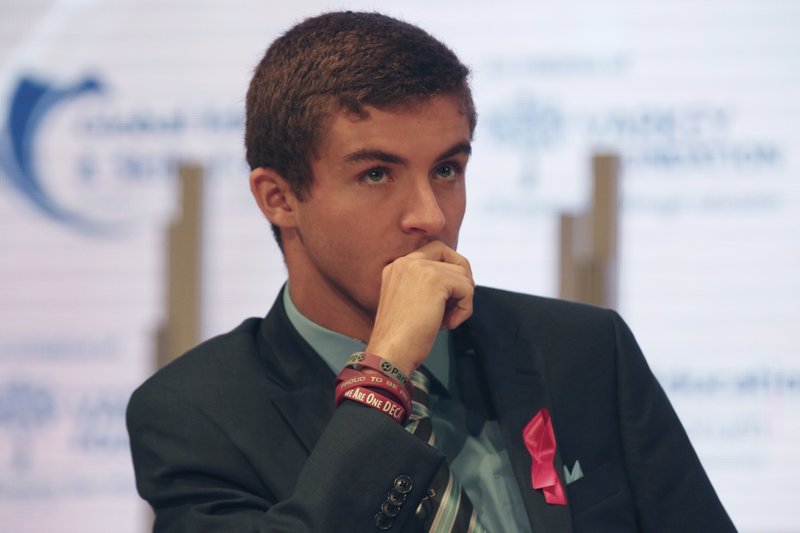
478 459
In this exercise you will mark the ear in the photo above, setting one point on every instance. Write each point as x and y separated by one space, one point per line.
274 196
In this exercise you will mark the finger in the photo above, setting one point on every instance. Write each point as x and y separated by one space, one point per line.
458 307
439 251
444 277
457 315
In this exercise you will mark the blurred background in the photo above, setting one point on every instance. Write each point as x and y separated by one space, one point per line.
102 101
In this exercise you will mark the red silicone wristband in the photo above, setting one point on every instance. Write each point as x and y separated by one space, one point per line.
349 378
375 362
375 400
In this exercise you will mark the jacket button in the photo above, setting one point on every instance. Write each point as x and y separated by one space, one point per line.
383 522
395 498
390 510
403 484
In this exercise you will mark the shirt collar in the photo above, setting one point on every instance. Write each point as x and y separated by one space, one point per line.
335 348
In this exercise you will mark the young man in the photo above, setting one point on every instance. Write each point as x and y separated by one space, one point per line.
545 413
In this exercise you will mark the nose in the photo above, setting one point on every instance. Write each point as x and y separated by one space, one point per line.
423 213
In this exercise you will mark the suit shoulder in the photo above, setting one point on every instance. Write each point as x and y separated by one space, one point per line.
563 326
540 307
219 363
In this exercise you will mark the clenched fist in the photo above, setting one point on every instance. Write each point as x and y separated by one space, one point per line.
422 292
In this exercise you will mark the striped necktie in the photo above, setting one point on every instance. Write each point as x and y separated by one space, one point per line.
446 508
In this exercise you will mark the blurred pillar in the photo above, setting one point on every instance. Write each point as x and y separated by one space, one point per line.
181 327
588 247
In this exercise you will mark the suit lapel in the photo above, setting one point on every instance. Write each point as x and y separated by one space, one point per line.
307 403
307 424
516 374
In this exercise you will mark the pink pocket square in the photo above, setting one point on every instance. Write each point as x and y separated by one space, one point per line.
541 443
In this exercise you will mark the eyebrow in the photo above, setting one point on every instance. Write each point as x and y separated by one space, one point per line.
367 154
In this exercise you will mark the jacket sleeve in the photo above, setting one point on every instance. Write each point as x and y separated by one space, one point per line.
670 487
197 479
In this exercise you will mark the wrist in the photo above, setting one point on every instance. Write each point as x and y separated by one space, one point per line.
368 360
394 355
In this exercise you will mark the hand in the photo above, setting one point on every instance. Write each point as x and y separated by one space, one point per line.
422 292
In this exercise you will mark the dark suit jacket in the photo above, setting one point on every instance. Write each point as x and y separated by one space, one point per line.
240 434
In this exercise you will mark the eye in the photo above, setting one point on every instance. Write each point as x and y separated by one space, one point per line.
376 176
447 171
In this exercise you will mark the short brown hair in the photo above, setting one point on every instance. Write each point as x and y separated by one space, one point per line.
340 60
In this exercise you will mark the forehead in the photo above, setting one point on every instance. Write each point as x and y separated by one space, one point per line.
440 118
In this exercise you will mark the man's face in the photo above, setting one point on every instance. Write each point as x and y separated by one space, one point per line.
383 186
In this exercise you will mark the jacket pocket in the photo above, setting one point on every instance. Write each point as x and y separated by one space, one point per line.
601 501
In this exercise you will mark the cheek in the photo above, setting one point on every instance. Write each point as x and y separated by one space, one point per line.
455 212
355 240
454 215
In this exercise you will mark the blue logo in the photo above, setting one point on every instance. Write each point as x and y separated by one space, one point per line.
31 102
531 127
24 408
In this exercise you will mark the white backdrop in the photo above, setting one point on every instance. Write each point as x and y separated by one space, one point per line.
100 99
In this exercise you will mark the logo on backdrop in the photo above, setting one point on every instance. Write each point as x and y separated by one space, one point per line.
24 409
97 162
31 412
31 102
665 138
530 126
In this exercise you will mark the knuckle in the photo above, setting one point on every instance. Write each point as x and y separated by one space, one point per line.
403 262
